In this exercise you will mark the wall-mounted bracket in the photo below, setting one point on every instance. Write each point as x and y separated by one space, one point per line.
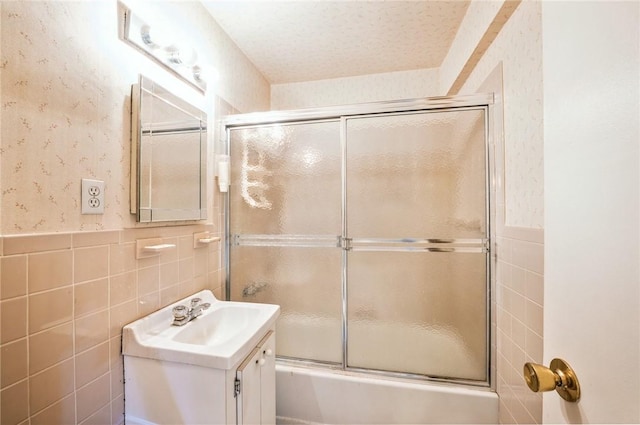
202 239
146 248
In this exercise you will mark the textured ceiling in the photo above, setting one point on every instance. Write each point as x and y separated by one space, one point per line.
291 41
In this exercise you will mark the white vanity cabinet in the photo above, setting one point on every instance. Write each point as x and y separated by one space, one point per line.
160 392
218 368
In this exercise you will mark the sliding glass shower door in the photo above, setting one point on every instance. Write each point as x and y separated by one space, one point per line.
371 232
416 220
284 221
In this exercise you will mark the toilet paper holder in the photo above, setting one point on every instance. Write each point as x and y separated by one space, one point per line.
558 376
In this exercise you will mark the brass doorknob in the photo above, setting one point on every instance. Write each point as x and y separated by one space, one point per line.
558 376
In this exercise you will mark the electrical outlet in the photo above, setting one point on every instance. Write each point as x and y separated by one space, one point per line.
92 196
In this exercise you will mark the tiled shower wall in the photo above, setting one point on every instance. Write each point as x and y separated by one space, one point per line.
520 289
64 301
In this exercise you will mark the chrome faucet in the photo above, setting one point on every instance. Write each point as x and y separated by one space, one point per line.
183 315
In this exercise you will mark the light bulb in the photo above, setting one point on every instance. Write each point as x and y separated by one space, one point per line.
152 38
146 36
197 73
206 73
172 54
179 55
188 56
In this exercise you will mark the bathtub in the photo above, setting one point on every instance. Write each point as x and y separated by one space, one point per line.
308 395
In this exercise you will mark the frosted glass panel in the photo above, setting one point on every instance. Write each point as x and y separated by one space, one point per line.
419 175
306 283
422 313
286 179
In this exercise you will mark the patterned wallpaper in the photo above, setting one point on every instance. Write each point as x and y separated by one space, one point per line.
65 84
351 90
519 48
63 119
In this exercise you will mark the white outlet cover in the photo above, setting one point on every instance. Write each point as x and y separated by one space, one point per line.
92 197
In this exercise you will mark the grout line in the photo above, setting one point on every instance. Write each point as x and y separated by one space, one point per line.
73 316
109 362
27 325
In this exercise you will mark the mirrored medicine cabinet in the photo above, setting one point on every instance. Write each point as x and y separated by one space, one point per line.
168 156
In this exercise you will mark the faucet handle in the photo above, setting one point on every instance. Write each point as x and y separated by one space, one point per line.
195 301
180 312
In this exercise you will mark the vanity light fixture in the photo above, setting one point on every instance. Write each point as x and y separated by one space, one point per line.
180 60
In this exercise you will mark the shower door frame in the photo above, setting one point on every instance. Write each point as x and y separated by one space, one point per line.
341 114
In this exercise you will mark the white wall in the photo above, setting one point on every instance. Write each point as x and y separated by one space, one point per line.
591 137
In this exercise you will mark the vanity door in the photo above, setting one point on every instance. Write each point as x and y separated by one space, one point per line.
256 385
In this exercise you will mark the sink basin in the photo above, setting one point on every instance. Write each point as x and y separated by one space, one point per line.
220 338
219 326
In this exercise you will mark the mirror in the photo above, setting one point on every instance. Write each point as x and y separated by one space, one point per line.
168 156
